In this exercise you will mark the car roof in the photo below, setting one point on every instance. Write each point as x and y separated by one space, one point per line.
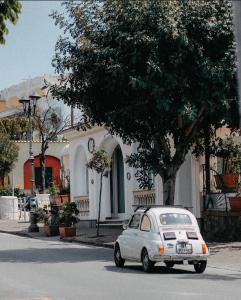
164 210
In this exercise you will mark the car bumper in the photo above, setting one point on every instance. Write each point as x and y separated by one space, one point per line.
179 257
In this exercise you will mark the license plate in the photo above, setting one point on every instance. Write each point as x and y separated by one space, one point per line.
184 248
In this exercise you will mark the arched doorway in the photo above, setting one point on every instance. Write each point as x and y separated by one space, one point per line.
81 174
52 172
117 188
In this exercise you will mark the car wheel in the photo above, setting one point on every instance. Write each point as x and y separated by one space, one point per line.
147 264
169 264
200 266
119 261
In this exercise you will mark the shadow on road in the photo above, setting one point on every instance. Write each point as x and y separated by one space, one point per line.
138 269
161 270
55 255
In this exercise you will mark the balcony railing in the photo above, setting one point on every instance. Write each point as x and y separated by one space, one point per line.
144 197
82 203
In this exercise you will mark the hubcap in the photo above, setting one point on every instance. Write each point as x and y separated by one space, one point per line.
118 255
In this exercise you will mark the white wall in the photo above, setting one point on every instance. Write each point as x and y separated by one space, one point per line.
187 184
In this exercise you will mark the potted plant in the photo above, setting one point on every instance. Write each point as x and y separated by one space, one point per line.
68 213
235 201
60 195
230 153
51 221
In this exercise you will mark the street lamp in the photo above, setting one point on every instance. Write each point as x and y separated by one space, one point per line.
29 107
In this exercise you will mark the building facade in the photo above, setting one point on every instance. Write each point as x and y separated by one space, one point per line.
121 192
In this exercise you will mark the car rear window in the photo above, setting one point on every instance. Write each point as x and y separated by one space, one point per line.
175 219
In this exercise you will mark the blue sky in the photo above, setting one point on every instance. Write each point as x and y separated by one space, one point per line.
30 44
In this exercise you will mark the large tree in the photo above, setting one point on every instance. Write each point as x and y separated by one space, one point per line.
152 71
9 11
16 128
8 155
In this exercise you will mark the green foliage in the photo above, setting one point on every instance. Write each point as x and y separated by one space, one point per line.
39 214
8 154
230 152
9 11
7 191
51 217
153 72
16 128
68 213
99 161
53 190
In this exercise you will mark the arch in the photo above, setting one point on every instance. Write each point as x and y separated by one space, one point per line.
52 163
117 184
81 174
114 186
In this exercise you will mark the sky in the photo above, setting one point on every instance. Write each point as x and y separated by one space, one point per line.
29 46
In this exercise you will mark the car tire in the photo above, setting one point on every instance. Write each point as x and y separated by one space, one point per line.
147 264
119 261
169 264
200 266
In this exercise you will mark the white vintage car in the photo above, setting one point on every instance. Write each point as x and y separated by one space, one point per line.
162 234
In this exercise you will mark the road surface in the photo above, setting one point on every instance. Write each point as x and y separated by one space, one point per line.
52 270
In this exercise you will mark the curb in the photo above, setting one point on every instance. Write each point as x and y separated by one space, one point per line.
67 240
109 245
88 242
22 234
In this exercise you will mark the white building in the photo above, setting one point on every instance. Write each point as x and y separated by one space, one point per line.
121 192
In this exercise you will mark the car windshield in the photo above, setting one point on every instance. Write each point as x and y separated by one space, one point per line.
175 219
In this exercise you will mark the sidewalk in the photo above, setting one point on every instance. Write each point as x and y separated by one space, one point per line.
84 235
223 255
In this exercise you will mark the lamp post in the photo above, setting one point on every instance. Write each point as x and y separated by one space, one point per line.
29 107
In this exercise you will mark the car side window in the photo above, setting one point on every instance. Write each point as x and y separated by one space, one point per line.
134 223
145 223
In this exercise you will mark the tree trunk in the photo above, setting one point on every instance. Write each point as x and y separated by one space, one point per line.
98 220
42 168
2 179
169 183
207 160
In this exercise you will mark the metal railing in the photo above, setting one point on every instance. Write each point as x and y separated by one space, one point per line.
144 197
82 203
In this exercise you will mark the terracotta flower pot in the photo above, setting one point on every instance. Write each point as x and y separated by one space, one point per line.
67 231
235 203
51 230
61 199
227 181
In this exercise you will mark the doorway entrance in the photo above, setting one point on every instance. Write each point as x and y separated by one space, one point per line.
117 190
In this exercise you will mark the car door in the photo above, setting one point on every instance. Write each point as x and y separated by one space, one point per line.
131 236
145 234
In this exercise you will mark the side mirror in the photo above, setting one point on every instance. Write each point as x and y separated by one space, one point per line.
125 226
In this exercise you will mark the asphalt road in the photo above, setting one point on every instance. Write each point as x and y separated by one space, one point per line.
43 269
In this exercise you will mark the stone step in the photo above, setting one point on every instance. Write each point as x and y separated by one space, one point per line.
113 223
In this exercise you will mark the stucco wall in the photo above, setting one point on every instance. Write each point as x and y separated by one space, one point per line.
187 186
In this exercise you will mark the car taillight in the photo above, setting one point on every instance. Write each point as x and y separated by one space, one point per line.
204 249
161 249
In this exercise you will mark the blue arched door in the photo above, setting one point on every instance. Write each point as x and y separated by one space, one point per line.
117 189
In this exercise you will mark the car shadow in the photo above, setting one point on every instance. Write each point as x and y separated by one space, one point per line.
156 270
162 270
